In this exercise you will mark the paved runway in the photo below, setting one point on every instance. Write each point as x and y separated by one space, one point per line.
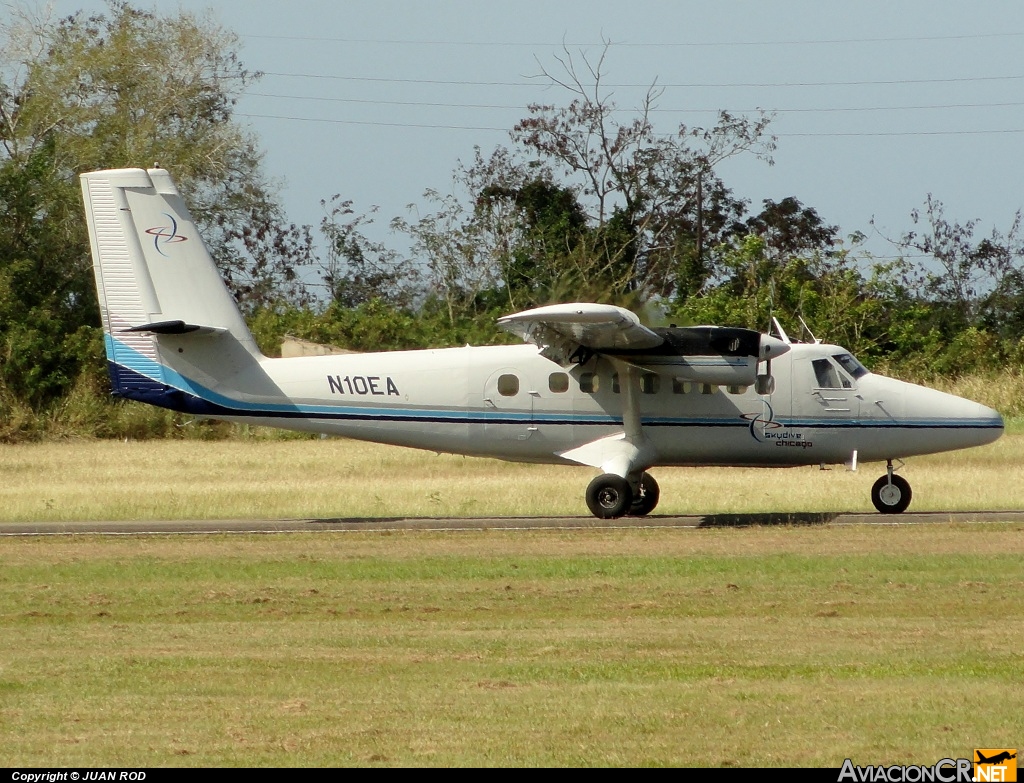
218 526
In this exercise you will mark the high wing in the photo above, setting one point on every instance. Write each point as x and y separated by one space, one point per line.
574 333
562 330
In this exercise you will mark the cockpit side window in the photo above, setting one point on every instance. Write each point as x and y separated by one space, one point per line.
827 375
851 365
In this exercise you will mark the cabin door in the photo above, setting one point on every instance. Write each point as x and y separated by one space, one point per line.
508 404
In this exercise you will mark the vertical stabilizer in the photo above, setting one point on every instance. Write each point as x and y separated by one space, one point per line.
157 283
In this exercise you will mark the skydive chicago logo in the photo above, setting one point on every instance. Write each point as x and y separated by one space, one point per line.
165 235
764 429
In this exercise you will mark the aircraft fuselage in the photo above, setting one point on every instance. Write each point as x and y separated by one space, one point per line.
513 403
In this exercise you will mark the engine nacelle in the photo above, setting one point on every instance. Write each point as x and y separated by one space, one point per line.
719 355
717 370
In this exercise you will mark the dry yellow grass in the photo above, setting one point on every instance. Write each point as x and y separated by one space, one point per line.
1003 391
113 480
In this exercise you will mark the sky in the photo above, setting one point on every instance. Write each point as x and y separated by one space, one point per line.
877 103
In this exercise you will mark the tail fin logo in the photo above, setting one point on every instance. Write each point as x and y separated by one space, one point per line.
165 235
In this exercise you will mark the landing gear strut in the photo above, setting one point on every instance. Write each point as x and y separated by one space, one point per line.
891 493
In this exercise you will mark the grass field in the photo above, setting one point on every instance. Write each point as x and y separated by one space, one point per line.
760 646
757 646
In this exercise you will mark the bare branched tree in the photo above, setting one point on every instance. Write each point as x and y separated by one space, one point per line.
655 201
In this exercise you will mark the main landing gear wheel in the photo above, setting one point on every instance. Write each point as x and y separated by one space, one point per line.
647 499
609 496
891 498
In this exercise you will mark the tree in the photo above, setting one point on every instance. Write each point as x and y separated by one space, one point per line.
980 278
357 269
781 265
452 251
789 229
549 229
584 206
655 203
46 292
124 88
825 289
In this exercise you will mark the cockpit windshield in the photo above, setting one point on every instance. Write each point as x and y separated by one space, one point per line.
851 365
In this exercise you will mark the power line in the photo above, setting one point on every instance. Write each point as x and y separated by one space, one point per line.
644 45
691 85
924 107
520 107
505 130
377 102
375 124
904 133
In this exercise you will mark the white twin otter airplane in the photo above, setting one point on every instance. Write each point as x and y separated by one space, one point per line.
591 386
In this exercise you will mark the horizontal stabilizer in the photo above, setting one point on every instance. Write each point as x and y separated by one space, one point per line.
175 327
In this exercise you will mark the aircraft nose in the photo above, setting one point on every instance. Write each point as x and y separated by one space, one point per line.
985 422
964 422
993 419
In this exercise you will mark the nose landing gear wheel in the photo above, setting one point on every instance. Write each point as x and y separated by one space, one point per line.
609 496
891 498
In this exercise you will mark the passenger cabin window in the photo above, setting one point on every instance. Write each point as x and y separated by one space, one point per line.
828 376
508 385
737 389
708 388
615 382
558 382
650 383
589 382
679 386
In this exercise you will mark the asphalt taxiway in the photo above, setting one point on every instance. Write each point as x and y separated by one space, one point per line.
221 526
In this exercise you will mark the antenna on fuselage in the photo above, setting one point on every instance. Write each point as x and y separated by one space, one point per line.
803 323
782 332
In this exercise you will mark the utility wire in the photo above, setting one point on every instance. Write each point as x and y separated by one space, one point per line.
692 85
644 45
505 130
520 107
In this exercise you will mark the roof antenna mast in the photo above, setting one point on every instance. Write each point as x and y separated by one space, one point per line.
807 329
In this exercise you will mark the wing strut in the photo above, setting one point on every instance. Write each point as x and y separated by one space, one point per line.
630 401
627 453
